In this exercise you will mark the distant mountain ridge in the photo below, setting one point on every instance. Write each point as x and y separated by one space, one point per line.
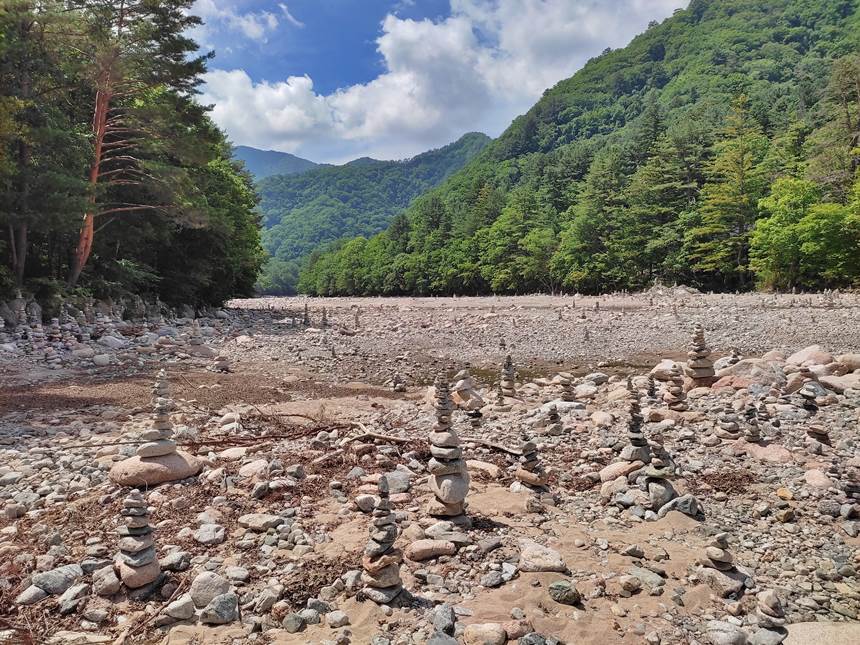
302 211
265 163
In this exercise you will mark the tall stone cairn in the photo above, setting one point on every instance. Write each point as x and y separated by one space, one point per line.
381 561
637 449
674 396
699 365
136 559
449 477
509 387
159 438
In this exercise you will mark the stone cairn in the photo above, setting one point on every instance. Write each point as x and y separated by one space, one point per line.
159 438
397 383
221 364
196 337
381 561
136 559
637 449
449 477
808 392
717 555
728 426
306 318
752 431
324 319
509 387
770 617
4 337
700 367
553 422
568 394
161 387
531 475
674 396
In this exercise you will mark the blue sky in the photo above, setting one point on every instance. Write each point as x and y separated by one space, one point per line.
331 80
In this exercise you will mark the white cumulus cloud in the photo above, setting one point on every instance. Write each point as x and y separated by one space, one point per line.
477 69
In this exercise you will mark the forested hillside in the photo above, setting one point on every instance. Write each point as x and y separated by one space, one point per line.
113 180
302 211
265 163
718 149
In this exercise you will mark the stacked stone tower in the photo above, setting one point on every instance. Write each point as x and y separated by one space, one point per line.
449 477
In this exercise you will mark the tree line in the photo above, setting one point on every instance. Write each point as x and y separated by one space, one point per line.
113 179
720 149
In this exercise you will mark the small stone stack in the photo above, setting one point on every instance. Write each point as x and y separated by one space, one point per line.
324 319
717 555
734 358
568 394
37 337
651 390
136 559
221 364
700 367
159 438
531 475
850 485
397 383
770 617
752 432
449 477
196 338
4 337
638 449
808 392
728 426
509 387
306 319
553 422
674 396
381 561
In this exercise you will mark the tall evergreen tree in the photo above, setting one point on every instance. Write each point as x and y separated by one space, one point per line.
718 246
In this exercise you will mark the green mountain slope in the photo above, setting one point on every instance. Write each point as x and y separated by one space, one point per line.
301 212
265 163
680 157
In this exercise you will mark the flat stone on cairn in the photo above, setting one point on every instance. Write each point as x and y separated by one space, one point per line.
699 366
674 396
449 477
509 387
381 561
157 461
136 561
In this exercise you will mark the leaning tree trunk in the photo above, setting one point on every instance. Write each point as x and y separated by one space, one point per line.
87 232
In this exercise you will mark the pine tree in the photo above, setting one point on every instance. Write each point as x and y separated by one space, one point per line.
134 50
719 246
